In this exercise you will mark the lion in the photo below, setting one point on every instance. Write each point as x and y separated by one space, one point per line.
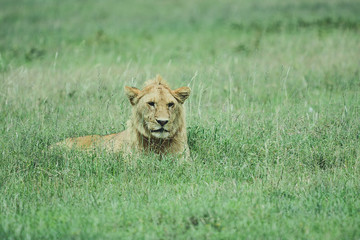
157 123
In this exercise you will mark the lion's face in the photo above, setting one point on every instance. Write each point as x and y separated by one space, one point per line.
157 109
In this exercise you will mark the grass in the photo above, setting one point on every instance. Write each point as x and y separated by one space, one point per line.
273 119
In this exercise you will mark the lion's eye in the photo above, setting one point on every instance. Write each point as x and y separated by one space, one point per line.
170 105
151 104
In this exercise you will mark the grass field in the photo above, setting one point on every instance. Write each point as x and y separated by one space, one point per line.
273 119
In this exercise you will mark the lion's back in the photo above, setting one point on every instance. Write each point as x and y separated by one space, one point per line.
112 142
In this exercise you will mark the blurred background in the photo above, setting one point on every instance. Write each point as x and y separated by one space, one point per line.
159 32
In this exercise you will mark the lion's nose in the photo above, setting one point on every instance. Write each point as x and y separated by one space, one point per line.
162 122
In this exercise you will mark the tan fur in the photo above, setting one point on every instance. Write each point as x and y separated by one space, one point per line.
156 104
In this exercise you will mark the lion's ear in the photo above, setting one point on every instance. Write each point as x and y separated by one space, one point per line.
132 93
181 94
159 78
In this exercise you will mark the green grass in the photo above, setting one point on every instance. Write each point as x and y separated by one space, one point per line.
273 119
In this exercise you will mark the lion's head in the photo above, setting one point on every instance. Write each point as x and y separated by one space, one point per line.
157 110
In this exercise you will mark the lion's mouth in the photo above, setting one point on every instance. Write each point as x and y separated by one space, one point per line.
160 130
